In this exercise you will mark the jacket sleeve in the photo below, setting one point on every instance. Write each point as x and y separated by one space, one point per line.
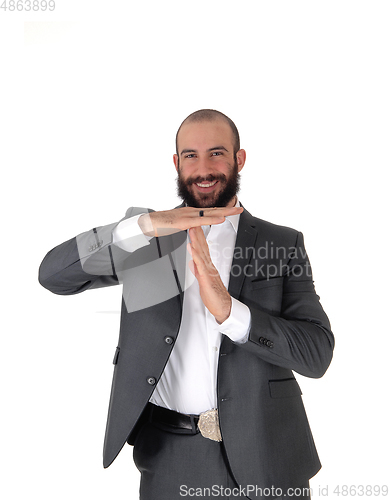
91 260
300 338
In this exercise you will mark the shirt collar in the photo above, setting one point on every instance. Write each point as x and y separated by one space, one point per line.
234 219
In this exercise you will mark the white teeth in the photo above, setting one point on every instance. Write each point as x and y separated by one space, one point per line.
206 185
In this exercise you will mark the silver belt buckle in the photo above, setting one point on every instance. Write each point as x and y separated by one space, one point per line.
208 425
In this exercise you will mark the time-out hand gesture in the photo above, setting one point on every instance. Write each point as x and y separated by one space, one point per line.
212 290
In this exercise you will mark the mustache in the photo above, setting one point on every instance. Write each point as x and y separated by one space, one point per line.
209 178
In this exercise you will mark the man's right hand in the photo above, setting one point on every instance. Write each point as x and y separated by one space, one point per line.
180 219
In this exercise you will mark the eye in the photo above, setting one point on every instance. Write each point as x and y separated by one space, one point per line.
217 153
191 155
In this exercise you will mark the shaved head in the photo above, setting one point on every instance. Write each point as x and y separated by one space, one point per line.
209 115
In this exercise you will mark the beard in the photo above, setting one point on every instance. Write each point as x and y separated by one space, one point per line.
230 186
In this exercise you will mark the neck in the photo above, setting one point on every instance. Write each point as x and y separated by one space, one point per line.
232 202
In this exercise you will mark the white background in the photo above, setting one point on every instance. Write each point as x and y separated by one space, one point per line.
91 97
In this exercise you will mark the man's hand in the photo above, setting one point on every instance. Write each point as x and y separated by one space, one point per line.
181 219
212 290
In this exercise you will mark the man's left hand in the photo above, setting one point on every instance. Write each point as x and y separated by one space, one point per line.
212 290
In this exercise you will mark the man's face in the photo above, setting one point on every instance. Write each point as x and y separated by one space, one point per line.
206 166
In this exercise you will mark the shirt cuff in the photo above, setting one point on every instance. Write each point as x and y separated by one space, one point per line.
129 236
238 324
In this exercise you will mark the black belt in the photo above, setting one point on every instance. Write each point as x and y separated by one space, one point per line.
173 421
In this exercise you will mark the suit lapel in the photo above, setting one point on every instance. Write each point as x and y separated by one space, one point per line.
246 239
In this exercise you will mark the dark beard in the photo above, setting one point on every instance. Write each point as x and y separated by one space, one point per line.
231 187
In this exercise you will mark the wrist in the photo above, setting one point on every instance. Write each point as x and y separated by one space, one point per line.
225 313
145 223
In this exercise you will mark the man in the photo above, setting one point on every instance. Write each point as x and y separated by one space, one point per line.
203 384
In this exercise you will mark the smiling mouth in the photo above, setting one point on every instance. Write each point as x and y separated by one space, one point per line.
206 185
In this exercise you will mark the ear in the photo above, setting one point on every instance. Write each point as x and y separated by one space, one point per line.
241 157
176 162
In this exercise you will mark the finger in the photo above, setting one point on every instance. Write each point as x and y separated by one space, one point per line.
198 239
214 216
213 211
218 211
202 242
205 221
200 253
196 232
193 269
193 247
198 266
204 266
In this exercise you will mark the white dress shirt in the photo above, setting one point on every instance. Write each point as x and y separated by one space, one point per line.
189 381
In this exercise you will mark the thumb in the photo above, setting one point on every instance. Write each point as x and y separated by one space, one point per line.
193 269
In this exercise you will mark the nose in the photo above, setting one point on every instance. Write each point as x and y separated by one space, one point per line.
205 167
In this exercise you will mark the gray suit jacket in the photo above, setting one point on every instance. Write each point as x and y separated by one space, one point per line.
263 422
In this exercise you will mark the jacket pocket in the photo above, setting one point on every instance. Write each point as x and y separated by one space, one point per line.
266 283
265 294
284 388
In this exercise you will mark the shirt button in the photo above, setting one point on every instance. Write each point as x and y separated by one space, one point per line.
151 380
168 340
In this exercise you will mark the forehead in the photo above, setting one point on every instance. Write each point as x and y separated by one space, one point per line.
204 135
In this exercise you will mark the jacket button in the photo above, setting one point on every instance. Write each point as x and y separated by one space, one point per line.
168 340
261 340
269 343
151 380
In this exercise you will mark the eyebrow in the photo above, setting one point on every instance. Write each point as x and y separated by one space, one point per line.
216 148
